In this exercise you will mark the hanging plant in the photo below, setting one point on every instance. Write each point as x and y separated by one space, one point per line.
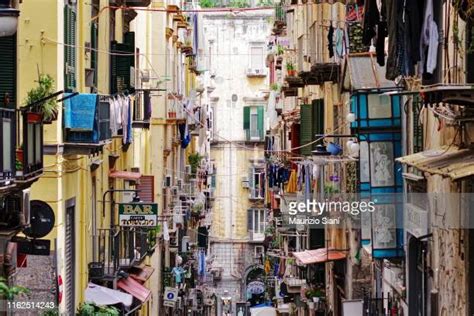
48 109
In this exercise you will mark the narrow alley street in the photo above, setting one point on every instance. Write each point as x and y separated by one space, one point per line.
237 157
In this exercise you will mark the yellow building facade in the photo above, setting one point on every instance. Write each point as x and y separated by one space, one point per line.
77 176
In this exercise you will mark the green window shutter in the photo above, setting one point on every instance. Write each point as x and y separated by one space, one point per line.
318 118
8 69
120 64
247 117
260 123
94 46
306 128
70 48
113 68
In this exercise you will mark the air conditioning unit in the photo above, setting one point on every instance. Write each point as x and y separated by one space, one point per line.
245 182
167 181
26 207
145 75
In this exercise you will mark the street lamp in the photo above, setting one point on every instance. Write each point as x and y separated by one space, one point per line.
8 18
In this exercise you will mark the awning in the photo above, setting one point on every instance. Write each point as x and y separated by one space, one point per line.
448 161
125 175
142 274
448 93
318 256
133 287
101 295
364 73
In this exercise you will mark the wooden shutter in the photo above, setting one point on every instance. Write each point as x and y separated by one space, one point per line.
70 260
69 47
260 122
251 180
318 118
306 128
121 62
94 53
113 68
8 69
247 117
146 189
249 219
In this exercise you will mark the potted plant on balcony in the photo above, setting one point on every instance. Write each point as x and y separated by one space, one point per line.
47 110
19 167
86 309
290 68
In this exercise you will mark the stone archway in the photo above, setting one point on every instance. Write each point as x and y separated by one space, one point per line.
253 276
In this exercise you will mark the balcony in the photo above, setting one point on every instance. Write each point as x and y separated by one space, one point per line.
256 73
256 236
7 142
175 111
279 24
120 248
23 167
257 194
86 124
30 155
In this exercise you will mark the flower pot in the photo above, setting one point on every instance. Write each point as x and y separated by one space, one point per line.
33 117
291 73
19 155
311 304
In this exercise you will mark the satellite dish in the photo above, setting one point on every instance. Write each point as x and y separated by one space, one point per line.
219 80
42 219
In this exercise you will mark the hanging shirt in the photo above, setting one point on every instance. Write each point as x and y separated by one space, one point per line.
113 117
125 117
178 273
429 40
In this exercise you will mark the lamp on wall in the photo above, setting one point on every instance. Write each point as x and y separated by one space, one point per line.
8 18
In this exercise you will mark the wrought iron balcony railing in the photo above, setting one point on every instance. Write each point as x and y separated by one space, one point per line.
121 248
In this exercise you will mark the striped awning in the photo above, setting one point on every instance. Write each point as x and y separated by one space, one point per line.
320 255
134 288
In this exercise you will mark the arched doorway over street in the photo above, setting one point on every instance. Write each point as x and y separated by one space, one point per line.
253 284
